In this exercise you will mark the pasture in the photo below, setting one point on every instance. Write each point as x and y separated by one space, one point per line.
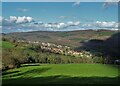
34 74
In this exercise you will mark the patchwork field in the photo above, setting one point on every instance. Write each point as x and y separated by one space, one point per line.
30 74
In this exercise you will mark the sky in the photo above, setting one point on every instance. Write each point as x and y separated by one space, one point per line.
60 0
58 16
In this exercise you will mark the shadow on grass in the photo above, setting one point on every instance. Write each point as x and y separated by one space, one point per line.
6 73
30 65
33 71
62 80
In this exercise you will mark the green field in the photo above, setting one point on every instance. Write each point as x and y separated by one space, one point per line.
31 74
78 39
6 44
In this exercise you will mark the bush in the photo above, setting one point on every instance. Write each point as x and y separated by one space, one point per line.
8 60
98 60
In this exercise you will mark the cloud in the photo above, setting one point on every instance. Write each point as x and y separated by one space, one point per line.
24 24
109 3
22 9
13 20
68 26
24 19
59 25
62 17
106 24
77 3
1 18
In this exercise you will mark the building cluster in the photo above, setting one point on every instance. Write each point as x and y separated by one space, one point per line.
65 50
59 49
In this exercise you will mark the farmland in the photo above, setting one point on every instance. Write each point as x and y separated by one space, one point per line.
61 74
76 57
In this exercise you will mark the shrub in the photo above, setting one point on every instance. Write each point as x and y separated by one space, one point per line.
98 60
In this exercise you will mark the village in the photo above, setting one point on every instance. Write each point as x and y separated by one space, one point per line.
66 50
59 49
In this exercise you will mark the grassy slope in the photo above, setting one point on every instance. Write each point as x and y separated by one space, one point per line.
6 44
62 74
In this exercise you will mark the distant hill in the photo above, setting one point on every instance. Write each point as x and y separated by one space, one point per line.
70 38
107 46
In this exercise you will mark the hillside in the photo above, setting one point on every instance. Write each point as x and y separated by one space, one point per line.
76 57
85 46
70 38
6 44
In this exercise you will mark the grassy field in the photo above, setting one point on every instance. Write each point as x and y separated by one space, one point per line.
6 44
31 74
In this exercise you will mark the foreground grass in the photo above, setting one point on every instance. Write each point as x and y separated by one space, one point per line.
31 74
